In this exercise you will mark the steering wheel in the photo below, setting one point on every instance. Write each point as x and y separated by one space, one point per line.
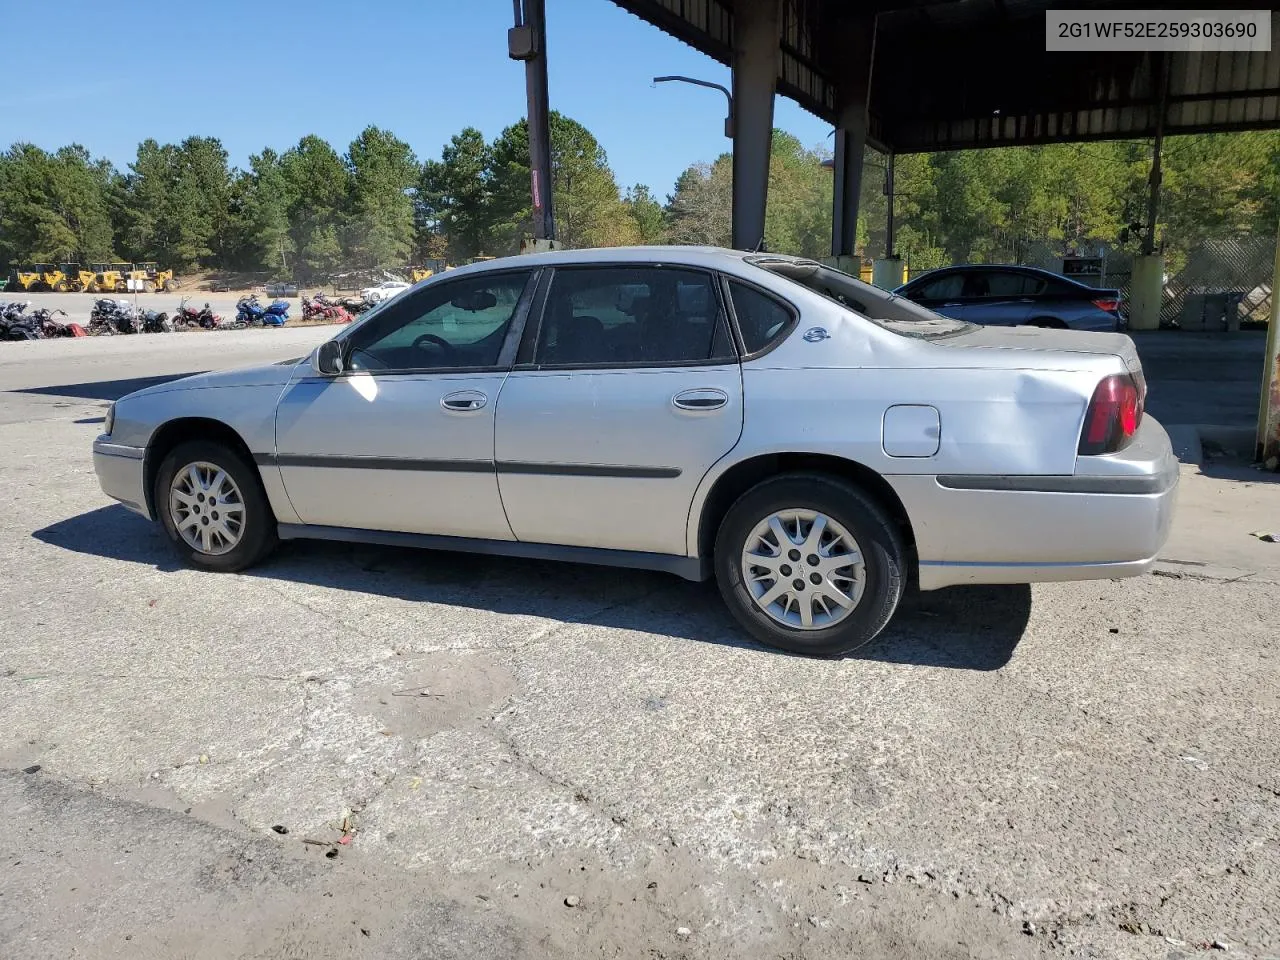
432 338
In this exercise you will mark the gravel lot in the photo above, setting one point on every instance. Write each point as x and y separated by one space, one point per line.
537 759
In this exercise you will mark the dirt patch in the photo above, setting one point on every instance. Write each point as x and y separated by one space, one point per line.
441 691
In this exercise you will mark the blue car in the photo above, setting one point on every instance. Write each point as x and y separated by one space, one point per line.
1009 296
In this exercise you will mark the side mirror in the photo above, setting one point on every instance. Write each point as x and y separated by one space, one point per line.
328 360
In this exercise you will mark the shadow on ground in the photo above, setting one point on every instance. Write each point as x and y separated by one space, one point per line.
1230 468
963 628
105 389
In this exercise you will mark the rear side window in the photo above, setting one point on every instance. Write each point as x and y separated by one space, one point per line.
762 320
942 288
1013 284
632 316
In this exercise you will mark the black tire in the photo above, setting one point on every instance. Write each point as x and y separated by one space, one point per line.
879 541
259 535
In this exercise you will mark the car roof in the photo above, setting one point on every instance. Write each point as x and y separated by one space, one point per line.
709 257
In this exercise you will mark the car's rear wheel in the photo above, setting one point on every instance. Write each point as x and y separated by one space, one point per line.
809 563
213 508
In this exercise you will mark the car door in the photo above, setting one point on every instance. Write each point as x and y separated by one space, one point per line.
403 439
630 391
999 297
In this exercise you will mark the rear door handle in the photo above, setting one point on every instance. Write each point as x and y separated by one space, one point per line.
703 398
464 400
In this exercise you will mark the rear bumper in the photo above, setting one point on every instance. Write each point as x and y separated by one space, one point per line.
121 473
1110 519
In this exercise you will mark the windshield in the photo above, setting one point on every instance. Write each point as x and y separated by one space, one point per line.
883 308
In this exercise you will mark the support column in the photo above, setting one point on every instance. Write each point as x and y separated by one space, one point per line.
1146 290
886 272
1268 451
756 56
853 89
527 41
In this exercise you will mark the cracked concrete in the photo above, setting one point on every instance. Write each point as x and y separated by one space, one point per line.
1094 761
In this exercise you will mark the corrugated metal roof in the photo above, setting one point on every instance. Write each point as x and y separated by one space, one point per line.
973 73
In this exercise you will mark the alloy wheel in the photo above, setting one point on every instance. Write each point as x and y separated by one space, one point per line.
803 569
206 508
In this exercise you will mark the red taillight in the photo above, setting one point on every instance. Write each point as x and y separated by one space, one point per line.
1113 416
1109 304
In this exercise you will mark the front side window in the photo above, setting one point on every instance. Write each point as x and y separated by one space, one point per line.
948 287
631 316
458 324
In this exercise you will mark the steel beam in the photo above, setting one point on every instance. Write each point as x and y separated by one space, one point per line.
1269 408
527 41
852 98
756 35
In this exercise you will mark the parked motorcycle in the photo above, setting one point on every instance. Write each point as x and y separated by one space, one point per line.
153 321
50 326
251 313
119 316
321 307
189 317
16 324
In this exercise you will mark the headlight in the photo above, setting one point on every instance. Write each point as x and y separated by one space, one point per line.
109 420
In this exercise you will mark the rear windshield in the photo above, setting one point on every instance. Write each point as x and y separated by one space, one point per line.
896 314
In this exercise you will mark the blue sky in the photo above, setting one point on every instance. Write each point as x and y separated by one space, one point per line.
265 73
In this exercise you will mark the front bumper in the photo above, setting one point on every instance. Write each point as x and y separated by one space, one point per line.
1109 519
121 473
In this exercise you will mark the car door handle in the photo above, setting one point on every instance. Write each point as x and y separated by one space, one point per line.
464 400
705 398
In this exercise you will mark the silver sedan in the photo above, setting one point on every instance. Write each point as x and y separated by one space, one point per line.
812 442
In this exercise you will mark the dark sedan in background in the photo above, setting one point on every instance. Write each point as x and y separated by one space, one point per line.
1000 295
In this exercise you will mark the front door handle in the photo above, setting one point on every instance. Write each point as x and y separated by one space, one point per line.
464 400
704 398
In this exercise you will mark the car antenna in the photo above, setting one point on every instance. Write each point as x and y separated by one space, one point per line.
759 248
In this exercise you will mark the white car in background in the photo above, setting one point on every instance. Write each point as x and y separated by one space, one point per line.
383 291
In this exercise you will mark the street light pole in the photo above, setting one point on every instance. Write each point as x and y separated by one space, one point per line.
728 120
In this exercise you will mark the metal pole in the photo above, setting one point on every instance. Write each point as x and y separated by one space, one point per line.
728 120
535 78
888 189
1153 197
1268 436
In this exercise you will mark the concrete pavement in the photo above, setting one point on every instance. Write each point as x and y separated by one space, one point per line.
1088 769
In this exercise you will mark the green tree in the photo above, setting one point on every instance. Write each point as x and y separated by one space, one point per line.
588 208
53 207
651 222
384 177
176 203
798 215
454 197
316 187
699 209
265 211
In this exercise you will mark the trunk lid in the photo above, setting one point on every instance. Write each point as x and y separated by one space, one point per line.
1057 341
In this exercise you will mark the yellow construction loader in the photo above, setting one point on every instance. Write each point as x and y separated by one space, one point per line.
83 280
110 277
57 279
28 277
155 278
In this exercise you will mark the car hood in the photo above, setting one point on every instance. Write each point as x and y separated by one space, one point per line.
262 375
1043 339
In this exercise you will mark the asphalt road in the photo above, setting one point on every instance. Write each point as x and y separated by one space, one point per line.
1082 769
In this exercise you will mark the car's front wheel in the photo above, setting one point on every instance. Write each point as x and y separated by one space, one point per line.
809 563
213 508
